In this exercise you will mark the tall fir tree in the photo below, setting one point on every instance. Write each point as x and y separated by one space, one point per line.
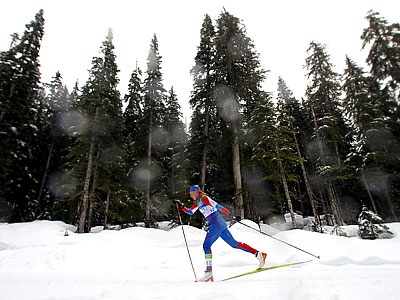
153 114
384 54
290 117
360 111
98 155
58 106
203 124
176 162
19 108
383 60
134 139
372 138
238 88
132 114
329 148
264 179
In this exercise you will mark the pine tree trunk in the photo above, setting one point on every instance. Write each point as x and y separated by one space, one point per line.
85 199
147 209
289 201
285 187
310 193
106 210
46 171
237 176
334 203
86 185
205 151
92 203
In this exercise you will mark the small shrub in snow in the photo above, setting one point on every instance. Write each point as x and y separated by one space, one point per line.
370 226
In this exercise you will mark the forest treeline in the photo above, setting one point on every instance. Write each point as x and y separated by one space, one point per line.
91 156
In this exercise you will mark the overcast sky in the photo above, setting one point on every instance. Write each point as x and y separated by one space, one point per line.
281 31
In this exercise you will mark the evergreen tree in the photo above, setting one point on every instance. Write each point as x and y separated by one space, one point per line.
19 108
132 115
154 109
176 163
238 88
134 139
265 178
209 159
360 112
290 124
384 54
204 117
371 226
383 59
98 156
323 103
371 149
58 106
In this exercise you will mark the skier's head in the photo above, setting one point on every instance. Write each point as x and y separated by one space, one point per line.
195 192
195 188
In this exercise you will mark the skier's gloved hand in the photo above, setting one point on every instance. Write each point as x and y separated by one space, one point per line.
180 204
237 218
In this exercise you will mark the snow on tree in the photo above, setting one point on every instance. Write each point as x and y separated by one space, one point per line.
371 226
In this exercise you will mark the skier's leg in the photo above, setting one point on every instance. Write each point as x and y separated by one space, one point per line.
213 234
227 237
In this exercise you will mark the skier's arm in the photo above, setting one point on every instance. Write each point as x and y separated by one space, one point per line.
192 210
223 209
218 206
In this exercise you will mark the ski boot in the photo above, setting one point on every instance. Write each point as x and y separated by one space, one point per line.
208 276
261 256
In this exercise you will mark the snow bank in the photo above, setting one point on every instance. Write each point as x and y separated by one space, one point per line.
38 261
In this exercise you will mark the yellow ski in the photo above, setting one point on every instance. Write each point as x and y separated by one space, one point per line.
267 268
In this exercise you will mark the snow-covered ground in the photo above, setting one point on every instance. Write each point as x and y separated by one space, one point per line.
37 261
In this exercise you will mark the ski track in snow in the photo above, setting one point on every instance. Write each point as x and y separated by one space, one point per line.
38 262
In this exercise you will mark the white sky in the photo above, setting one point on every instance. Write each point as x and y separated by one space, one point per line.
281 31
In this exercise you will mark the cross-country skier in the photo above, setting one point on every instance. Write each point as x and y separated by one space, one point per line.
210 209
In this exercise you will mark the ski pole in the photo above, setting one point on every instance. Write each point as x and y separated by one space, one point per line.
184 236
278 239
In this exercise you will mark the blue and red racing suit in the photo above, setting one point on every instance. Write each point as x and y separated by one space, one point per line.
210 209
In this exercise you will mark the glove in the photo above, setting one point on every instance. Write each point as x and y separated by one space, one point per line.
237 218
179 203
226 211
